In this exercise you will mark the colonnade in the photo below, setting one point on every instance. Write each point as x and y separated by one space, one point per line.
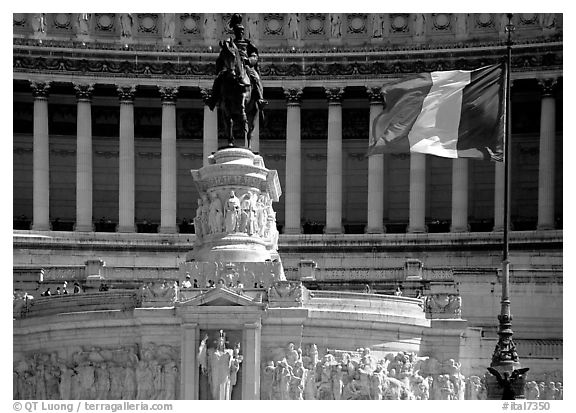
293 184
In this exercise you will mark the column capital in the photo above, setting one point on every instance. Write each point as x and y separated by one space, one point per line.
206 94
126 93
547 86
334 95
168 94
374 95
293 95
84 91
40 89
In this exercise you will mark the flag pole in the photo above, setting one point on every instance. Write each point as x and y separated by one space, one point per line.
505 358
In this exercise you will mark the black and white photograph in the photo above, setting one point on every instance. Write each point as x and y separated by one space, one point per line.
286 206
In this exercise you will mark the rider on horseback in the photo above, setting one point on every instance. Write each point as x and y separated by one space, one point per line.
249 54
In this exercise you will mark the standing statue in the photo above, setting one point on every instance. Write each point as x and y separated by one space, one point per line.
198 220
232 208
294 26
126 22
237 86
221 365
215 215
247 213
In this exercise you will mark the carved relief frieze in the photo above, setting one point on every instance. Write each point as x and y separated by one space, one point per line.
274 24
19 20
484 20
105 22
62 21
149 372
399 22
315 25
356 23
148 23
190 24
442 22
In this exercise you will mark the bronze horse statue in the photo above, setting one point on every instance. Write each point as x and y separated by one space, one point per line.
236 101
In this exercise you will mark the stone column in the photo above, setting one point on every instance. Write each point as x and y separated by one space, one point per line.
210 135
334 163
417 193
459 195
293 197
188 363
84 157
126 160
547 155
251 362
375 170
255 141
168 161
41 159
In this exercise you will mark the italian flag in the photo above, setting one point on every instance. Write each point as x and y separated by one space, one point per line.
453 114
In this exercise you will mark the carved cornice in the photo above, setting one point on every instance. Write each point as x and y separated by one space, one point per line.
84 91
40 89
76 60
126 93
547 86
168 94
334 95
374 95
293 96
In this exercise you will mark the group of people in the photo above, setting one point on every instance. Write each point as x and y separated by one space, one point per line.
62 290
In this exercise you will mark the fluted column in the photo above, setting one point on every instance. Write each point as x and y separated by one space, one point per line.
168 161
188 365
126 166
417 193
210 134
547 155
375 170
41 159
459 195
84 157
293 197
334 163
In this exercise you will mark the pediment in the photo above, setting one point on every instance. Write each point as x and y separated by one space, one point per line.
222 297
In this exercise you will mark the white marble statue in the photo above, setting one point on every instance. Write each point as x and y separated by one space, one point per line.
221 365
247 213
294 26
126 22
205 214
216 214
168 25
198 220
232 215
376 20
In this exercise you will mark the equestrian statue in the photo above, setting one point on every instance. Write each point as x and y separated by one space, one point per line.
237 88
